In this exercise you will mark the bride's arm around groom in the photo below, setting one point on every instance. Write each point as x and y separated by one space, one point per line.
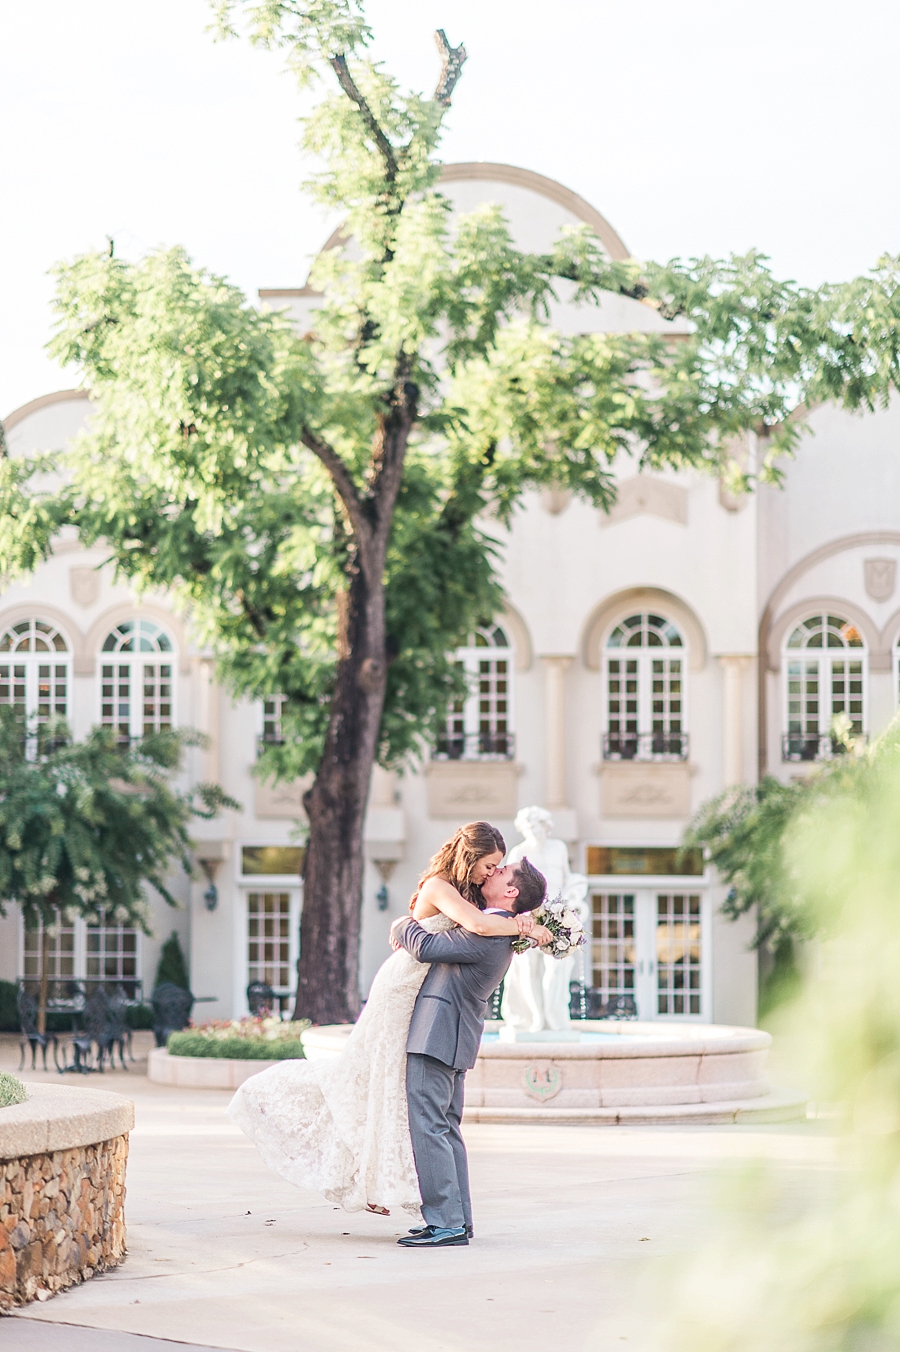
444 1038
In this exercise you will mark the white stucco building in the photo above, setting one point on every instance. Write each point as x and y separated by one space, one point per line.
644 661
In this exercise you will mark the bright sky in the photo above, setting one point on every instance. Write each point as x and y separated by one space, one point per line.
703 126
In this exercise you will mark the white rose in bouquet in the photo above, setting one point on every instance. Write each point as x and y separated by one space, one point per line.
572 920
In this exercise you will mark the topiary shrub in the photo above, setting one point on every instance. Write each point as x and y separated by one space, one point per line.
139 1016
241 1040
12 1091
172 966
9 1014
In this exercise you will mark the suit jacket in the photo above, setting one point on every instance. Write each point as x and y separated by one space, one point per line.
448 1017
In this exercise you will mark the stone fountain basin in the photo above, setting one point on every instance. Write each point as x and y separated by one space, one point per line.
614 1065
601 1071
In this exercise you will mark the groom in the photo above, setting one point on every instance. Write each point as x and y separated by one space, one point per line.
444 1037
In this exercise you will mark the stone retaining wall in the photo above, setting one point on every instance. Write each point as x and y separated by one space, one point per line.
62 1218
62 1208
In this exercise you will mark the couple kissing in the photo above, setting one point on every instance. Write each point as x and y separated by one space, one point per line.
378 1126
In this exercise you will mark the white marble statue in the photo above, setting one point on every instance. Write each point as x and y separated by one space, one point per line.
536 990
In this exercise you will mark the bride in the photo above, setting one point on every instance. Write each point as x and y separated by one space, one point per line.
339 1125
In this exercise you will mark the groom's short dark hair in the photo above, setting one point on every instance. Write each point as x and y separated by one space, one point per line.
531 884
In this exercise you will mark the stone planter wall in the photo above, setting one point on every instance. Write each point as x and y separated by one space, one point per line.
201 1072
62 1194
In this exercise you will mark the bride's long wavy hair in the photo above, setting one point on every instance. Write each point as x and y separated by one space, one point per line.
456 859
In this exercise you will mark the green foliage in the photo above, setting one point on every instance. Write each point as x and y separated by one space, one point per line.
139 1016
85 826
781 982
12 1090
746 833
172 966
252 1039
9 1014
818 1270
234 1048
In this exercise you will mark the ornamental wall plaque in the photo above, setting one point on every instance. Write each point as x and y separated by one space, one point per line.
881 578
543 1081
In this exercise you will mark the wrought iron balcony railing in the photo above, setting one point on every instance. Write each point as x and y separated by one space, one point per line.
802 746
645 746
476 746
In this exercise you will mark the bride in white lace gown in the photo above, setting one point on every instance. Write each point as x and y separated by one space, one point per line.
339 1125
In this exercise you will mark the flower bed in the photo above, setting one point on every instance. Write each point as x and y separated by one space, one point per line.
261 1039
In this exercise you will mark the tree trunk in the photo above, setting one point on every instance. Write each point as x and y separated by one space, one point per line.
328 982
328 971
42 977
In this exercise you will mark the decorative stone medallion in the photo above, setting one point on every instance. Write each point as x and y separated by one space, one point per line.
543 1081
881 578
84 585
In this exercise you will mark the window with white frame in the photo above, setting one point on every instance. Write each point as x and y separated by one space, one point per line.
88 955
825 687
480 726
136 679
35 670
272 733
645 670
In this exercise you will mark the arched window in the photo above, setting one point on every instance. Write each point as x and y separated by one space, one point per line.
480 727
646 663
35 670
825 664
136 679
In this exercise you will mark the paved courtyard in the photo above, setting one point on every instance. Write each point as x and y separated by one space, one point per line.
574 1228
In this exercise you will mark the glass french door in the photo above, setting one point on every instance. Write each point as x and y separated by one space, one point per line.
272 943
652 945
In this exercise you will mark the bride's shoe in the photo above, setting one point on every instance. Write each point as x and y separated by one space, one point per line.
377 1210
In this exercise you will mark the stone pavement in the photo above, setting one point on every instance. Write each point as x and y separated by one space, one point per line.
573 1225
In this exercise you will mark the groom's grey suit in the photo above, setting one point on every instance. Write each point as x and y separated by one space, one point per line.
444 1037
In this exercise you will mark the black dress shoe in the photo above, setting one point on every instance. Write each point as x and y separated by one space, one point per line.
435 1237
420 1229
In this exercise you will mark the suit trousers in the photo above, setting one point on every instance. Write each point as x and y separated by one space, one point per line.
435 1096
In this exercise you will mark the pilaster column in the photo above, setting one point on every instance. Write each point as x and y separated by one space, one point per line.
733 717
209 716
555 725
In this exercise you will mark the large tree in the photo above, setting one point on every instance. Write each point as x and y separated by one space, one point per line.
86 826
329 504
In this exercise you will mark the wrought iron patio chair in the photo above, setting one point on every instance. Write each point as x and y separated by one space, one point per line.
27 1007
261 998
620 1007
172 1007
119 1033
92 1040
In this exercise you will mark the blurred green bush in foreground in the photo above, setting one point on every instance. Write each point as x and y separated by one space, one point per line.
828 1278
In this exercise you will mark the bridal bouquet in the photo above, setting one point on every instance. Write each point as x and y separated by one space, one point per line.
564 924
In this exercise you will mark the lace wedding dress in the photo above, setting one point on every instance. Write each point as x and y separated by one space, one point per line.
339 1125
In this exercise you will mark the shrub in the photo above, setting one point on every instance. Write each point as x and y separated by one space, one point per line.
265 1039
12 1091
172 966
9 1014
139 1016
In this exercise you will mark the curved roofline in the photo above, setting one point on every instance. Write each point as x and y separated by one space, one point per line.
486 170
43 400
545 187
